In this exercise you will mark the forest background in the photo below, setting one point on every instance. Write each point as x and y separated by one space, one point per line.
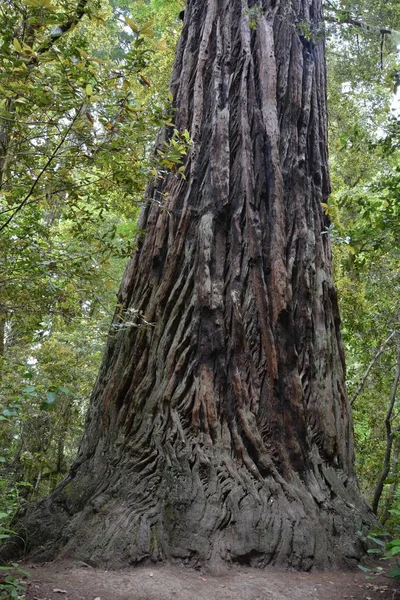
83 93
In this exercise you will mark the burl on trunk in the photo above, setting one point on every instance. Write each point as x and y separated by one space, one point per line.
223 431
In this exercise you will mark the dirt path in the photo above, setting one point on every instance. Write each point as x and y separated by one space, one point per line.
65 581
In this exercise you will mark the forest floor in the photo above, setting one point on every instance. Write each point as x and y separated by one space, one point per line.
68 581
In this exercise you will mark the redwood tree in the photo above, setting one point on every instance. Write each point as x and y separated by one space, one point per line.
219 427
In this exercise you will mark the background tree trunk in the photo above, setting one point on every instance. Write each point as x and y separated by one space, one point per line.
224 430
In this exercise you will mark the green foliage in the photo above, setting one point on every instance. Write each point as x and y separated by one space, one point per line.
12 584
364 207
172 152
254 14
384 549
75 151
84 89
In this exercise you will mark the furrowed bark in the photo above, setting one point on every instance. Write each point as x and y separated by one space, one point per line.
223 431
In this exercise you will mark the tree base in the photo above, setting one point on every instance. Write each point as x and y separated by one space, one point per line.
200 511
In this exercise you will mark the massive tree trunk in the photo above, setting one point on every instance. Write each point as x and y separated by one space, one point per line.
223 430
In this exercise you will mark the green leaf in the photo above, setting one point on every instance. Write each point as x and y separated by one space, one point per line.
393 543
365 569
147 29
394 551
28 389
64 389
83 53
132 25
89 90
395 573
67 390
376 540
51 397
17 45
9 413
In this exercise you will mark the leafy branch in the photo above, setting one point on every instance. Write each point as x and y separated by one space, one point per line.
345 17
43 170
371 364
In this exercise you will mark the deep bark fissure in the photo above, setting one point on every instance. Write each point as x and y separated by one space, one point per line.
223 431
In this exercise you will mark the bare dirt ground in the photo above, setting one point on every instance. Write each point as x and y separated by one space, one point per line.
67 581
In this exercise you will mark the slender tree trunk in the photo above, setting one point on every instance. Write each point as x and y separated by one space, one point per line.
223 431
394 485
5 135
3 321
390 435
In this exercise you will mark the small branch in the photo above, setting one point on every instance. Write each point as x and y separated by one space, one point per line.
359 24
44 169
371 364
65 27
19 122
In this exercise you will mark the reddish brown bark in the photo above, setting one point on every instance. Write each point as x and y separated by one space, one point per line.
224 430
